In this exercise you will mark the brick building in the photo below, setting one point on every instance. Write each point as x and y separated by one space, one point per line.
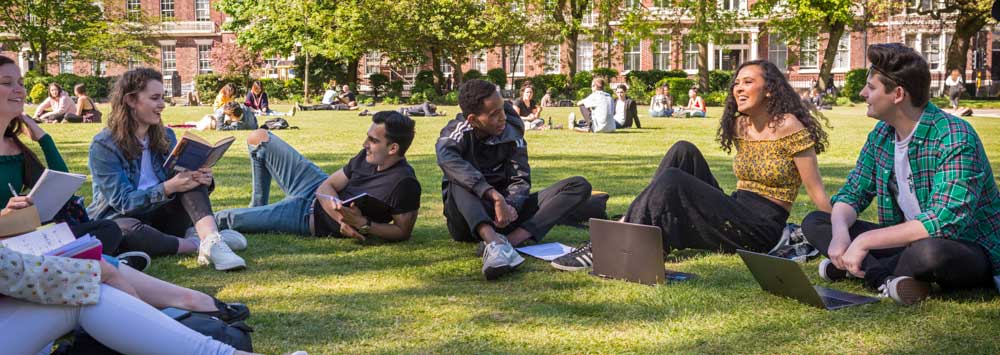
671 51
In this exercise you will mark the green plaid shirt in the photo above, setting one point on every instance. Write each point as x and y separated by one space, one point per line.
952 178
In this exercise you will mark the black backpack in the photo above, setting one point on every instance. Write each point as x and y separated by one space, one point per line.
276 124
236 334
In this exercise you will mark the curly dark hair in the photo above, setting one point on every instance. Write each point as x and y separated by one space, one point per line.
472 94
782 101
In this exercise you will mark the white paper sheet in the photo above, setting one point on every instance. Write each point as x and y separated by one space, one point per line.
547 251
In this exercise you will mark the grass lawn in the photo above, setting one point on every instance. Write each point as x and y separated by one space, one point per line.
427 295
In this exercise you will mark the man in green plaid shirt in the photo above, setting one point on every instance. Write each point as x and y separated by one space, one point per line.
938 206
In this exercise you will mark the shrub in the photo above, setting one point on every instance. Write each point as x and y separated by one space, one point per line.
417 98
423 81
606 73
363 100
293 87
391 100
497 76
719 80
451 98
648 78
854 82
582 93
582 80
677 73
716 98
638 91
472 74
379 83
275 88
97 87
678 88
542 83
844 101
38 93
208 85
395 88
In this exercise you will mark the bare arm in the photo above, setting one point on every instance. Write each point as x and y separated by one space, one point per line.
336 182
808 169
399 230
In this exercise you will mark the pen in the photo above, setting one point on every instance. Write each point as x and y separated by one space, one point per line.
12 191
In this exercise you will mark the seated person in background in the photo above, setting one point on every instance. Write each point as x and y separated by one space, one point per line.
58 106
380 170
256 100
661 105
816 98
938 205
226 95
696 104
234 117
325 104
346 100
486 185
528 109
547 98
776 141
132 187
86 109
626 111
597 110
193 99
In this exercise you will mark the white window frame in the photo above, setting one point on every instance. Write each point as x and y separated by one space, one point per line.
808 53
553 59
478 61
661 53
516 67
690 56
202 10
65 63
373 62
133 9
733 5
777 51
584 55
205 58
842 60
446 68
632 57
168 10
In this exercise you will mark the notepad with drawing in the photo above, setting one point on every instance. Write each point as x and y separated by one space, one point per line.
55 240
52 191
193 152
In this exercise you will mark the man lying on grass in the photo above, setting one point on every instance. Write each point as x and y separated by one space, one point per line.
938 208
312 204
487 181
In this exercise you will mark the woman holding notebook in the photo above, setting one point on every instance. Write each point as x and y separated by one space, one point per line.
148 202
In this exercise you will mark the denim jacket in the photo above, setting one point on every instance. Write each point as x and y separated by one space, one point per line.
116 180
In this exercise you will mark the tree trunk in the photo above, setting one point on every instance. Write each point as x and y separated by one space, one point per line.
966 25
305 81
456 71
43 58
829 55
570 60
703 67
352 69
436 66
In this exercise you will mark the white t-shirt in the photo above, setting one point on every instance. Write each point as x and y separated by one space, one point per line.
601 111
907 198
328 96
620 112
147 178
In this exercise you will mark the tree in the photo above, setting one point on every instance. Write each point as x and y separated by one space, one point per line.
231 59
968 16
796 19
75 26
706 22
562 23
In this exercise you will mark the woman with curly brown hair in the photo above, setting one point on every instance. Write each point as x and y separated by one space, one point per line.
776 140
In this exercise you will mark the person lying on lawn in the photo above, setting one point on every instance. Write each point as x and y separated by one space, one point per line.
776 142
312 204
938 205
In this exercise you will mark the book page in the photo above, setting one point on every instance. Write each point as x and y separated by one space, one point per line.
41 241
52 191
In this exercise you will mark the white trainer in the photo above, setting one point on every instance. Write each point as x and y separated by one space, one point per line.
213 250
235 240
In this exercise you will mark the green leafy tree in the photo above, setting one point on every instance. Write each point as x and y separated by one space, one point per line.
706 22
82 27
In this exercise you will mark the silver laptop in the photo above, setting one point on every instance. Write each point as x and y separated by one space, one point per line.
784 277
630 252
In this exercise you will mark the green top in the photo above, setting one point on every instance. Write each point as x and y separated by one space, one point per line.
12 168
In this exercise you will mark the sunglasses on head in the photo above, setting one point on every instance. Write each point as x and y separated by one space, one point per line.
874 69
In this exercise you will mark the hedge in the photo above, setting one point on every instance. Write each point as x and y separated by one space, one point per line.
542 83
97 87
719 80
853 83
678 88
497 76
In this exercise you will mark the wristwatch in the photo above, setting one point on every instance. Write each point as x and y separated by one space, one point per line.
367 227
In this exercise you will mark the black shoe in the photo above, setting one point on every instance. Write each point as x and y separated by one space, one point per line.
829 272
579 259
134 259
229 312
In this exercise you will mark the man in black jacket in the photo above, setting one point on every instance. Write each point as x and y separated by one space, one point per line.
487 180
626 111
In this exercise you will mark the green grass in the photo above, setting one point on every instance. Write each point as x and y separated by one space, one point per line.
988 103
428 296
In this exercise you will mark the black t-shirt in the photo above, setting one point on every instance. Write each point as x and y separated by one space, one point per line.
396 186
526 109
351 97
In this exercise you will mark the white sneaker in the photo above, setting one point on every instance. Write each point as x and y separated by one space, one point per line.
499 259
235 240
905 290
572 120
213 250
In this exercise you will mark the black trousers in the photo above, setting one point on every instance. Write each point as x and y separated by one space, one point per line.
157 233
693 212
952 264
104 230
465 211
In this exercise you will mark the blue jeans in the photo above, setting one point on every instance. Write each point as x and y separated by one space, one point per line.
295 175
667 112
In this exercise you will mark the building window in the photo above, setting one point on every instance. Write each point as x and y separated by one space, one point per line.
133 9
446 68
808 53
515 60
729 55
929 46
584 55
479 61
633 3
552 59
661 54
65 62
201 10
843 58
167 10
662 3
132 62
205 58
373 63
99 68
777 51
589 17
690 55
633 57
168 65
733 5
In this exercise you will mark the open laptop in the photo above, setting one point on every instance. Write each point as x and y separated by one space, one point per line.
630 252
784 277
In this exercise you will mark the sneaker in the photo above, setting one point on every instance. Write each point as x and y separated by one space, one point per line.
213 250
363 113
232 238
581 258
829 272
499 259
135 259
293 111
905 290
229 312
480 248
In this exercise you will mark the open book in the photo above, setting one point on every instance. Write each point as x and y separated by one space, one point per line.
369 206
52 191
55 240
193 152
